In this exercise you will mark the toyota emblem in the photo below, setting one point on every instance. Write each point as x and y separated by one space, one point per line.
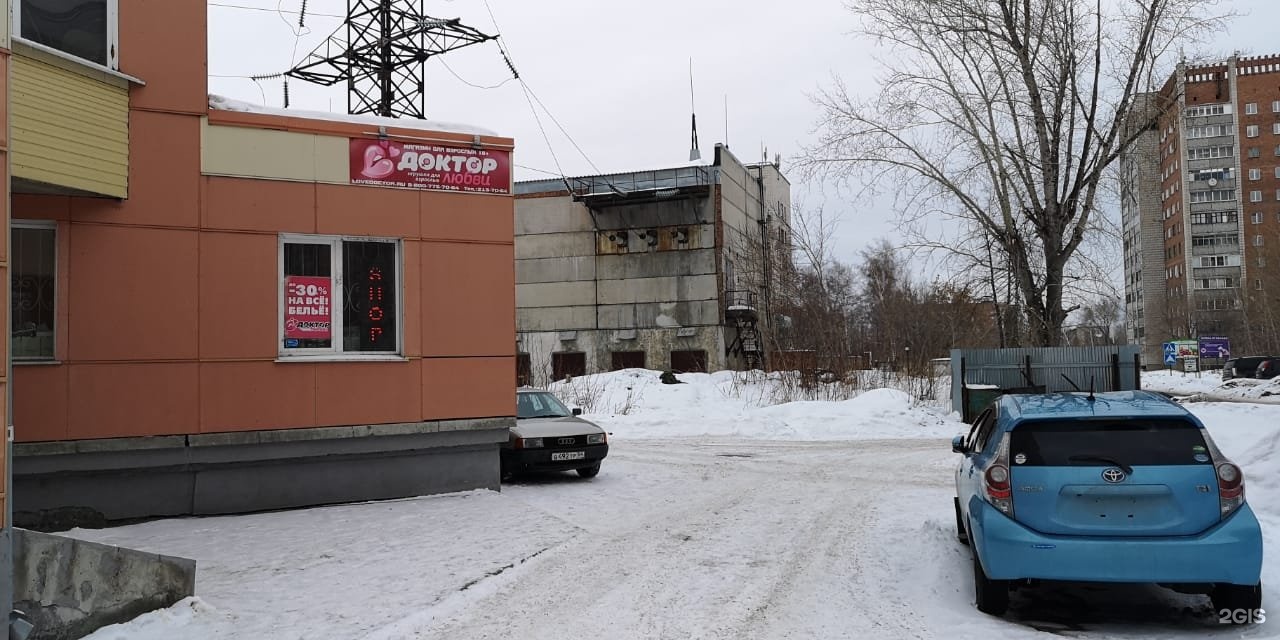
1113 475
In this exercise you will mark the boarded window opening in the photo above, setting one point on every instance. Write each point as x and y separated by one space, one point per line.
627 360
568 364
689 361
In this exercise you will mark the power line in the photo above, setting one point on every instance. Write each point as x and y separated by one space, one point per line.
471 84
226 5
530 94
561 127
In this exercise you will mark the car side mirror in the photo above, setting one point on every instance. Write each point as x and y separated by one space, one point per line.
577 411
957 445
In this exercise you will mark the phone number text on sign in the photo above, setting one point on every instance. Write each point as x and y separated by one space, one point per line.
307 313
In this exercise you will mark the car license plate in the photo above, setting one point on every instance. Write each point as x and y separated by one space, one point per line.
568 455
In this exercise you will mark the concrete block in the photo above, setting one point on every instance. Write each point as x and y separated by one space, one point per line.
556 245
70 587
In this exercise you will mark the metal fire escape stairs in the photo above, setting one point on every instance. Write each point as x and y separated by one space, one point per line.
747 343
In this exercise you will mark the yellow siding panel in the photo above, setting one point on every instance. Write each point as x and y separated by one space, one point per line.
68 130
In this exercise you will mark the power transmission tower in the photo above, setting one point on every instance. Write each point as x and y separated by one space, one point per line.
383 56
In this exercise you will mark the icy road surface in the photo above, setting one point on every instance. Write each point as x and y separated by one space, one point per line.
691 538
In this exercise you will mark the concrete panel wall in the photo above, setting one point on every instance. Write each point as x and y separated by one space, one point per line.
599 345
668 263
556 294
536 270
664 289
692 313
556 245
69 588
551 215
556 318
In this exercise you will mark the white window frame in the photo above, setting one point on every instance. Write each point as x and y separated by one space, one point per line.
337 307
1275 128
1251 131
50 225
1251 108
1255 196
1257 217
113 37
1255 174
1275 106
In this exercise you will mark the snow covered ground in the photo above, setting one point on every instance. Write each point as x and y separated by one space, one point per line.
715 516
1209 385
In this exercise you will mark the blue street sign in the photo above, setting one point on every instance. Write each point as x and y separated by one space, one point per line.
1170 353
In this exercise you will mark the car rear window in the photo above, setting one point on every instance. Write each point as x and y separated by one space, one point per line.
1130 442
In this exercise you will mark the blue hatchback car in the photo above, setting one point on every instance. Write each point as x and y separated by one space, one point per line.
1113 487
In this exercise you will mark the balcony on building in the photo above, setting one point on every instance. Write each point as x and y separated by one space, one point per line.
69 107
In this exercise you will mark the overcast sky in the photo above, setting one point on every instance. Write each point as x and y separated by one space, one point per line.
616 76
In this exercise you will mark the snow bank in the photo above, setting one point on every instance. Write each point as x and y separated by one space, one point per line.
633 403
1210 386
222 103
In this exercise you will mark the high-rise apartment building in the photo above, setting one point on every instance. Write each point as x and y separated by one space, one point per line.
1201 208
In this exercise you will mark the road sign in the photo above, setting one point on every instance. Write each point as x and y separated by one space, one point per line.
1191 365
1170 354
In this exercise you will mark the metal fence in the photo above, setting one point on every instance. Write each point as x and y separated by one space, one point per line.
1043 370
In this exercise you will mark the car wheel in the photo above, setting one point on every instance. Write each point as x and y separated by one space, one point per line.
991 596
961 534
1234 598
590 472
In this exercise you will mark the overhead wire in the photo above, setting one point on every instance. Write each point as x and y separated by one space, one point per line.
227 5
531 97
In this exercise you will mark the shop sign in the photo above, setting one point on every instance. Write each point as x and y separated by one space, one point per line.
307 311
387 163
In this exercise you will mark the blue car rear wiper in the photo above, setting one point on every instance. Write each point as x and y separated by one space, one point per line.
1093 458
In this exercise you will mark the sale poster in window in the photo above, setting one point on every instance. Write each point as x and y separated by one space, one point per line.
307 311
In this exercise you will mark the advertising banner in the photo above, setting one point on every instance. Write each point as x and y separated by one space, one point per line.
1217 347
307 310
435 167
1187 348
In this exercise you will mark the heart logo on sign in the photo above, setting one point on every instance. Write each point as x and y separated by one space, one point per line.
379 160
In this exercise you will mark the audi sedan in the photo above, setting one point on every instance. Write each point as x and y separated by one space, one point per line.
1113 487
550 437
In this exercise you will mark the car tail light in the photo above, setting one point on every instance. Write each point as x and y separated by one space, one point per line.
996 480
1230 487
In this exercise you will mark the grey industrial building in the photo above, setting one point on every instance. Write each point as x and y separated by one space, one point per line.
666 269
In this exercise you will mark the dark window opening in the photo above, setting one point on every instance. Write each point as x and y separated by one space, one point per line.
689 361
627 360
568 364
33 282
77 27
524 370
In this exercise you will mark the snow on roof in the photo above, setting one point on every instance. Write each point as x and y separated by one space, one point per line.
223 103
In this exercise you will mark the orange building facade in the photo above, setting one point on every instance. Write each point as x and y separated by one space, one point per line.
279 310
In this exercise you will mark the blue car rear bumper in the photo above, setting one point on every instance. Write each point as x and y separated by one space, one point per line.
1229 552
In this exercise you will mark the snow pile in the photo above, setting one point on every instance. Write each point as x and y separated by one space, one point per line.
1208 385
222 103
633 403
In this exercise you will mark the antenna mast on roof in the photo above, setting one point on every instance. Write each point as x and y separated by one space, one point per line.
694 154
383 54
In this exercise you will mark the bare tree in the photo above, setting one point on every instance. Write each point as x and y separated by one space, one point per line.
1005 115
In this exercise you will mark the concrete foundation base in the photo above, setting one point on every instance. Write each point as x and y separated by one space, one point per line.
96 482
